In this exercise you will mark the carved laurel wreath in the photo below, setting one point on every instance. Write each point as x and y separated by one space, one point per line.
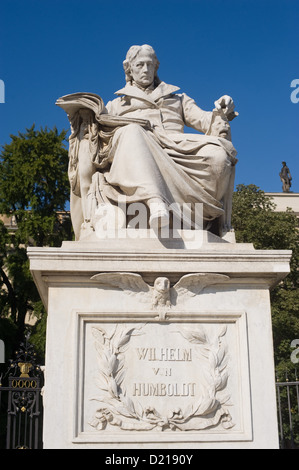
120 410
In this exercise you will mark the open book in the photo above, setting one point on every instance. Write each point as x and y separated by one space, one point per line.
75 101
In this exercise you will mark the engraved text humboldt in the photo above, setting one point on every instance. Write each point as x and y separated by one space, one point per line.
164 390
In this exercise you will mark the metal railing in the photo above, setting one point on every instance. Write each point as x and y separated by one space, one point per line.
21 410
287 393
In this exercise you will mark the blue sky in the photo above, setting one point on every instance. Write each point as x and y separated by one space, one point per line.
247 49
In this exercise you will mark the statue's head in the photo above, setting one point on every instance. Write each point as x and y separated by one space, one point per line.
141 65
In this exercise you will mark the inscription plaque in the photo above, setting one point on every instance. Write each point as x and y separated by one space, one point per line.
177 377
162 376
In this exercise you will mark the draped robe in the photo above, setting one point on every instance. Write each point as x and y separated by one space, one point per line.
165 162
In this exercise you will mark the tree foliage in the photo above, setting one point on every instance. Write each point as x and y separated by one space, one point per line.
256 221
34 185
34 189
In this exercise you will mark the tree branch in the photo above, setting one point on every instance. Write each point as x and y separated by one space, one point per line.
11 294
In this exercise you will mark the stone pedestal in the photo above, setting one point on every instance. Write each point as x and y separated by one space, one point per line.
154 344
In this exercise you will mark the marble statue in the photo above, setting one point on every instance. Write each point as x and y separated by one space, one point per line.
285 177
135 148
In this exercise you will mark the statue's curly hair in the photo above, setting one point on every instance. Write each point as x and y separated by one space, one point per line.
132 54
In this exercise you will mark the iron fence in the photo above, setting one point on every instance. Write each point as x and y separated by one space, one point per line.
21 401
287 393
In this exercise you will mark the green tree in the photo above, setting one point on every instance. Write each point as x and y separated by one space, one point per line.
34 189
34 185
256 221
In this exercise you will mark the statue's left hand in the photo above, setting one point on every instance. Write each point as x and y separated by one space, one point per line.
225 103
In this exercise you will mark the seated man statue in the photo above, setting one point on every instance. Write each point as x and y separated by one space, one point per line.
135 148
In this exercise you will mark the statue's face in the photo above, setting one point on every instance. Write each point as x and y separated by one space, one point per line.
143 69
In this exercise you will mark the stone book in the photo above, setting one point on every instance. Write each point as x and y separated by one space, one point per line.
76 101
